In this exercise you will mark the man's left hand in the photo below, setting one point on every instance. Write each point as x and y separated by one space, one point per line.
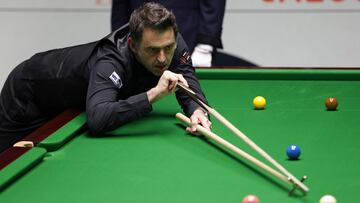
198 117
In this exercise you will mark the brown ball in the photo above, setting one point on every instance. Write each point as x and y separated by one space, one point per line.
331 103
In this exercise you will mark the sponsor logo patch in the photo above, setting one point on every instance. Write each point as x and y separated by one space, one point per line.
114 77
185 57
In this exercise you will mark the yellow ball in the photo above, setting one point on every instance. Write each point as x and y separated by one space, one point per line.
259 102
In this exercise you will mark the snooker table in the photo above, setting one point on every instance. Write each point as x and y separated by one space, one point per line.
154 160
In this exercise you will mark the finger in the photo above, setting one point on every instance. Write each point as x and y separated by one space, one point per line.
165 80
173 89
205 122
188 129
182 80
172 85
194 122
172 79
175 86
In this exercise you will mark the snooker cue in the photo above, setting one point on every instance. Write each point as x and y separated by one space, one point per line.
241 135
228 145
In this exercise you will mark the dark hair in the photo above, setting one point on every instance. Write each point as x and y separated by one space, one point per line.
150 15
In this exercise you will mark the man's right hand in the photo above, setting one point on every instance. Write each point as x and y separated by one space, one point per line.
166 85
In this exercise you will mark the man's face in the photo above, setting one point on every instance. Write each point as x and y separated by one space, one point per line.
155 50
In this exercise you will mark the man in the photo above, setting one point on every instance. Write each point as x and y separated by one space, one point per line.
116 79
200 23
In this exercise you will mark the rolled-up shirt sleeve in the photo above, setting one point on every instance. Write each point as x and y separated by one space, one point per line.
104 110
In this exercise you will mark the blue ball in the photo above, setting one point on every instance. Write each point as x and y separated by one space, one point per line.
293 152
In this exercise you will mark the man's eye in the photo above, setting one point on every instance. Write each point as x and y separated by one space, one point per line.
153 50
169 48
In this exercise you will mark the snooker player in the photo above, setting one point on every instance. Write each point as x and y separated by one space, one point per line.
116 79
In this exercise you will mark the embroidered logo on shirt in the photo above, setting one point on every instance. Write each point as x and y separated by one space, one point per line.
114 77
185 57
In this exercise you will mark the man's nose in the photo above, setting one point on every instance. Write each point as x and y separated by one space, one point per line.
161 56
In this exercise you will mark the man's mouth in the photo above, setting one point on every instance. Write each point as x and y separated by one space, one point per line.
160 66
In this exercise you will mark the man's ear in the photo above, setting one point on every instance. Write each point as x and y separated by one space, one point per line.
131 44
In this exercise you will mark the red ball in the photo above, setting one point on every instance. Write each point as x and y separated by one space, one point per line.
251 199
331 103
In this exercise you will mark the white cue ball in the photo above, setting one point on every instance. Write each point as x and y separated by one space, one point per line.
327 199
